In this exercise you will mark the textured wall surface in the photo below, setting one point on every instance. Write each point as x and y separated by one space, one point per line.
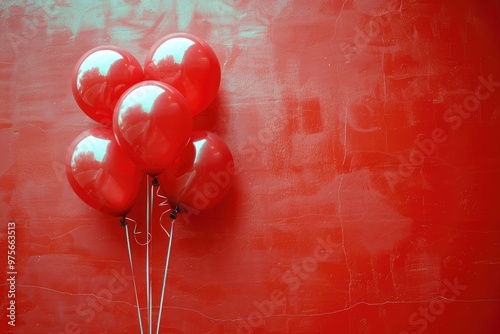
366 134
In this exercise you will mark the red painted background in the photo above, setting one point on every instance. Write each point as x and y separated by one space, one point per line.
367 200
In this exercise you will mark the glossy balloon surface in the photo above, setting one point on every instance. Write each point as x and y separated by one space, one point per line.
187 63
100 77
152 122
202 176
100 172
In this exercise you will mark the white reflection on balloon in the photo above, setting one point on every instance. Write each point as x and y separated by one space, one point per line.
141 98
175 48
100 60
198 145
96 146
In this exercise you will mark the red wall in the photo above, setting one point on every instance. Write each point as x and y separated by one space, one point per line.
366 133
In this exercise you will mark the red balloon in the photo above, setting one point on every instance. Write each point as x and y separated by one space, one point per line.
100 77
101 174
187 63
201 176
152 122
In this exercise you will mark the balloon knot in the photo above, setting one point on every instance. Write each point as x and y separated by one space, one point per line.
123 221
173 214
155 182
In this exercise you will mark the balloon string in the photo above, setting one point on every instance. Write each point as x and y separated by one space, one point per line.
148 285
137 233
167 261
164 198
164 203
151 206
133 274
161 223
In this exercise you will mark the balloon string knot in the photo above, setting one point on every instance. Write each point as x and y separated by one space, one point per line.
173 214
155 182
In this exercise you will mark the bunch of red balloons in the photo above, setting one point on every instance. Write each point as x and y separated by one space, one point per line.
146 127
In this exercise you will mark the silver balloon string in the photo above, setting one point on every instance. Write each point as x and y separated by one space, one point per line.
163 198
136 233
149 290
133 273
165 272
